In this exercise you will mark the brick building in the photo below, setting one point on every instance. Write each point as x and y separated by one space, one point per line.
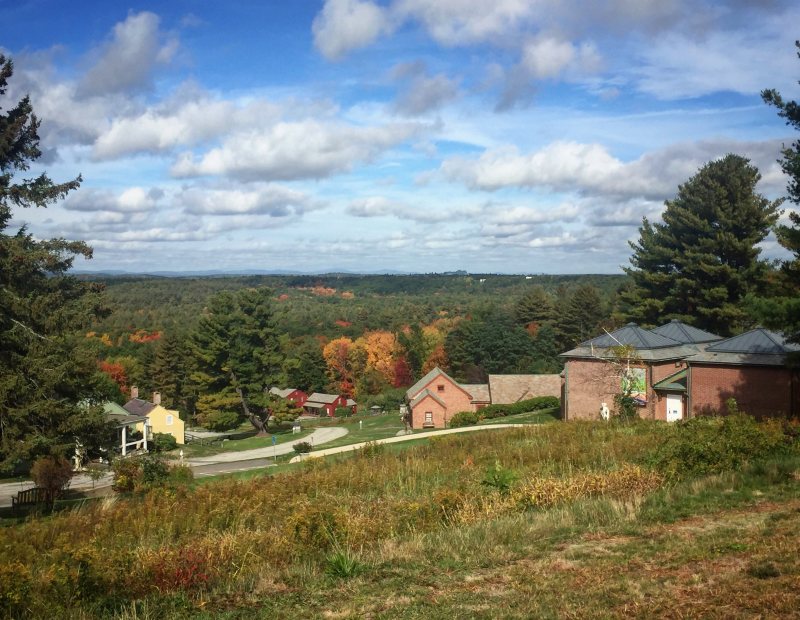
437 397
679 371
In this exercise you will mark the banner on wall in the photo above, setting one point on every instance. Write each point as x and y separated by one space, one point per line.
638 385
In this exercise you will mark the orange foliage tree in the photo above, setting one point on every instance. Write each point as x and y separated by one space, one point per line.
338 355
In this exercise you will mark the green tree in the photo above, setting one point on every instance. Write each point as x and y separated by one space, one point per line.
304 367
535 306
50 385
170 372
489 342
238 355
782 312
580 316
700 263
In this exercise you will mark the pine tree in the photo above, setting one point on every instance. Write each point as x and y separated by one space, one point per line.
535 306
170 372
699 264
50 384
580 316
238 355
305 367
782 312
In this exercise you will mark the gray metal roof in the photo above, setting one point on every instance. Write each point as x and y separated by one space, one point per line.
633 335
680 331
757 341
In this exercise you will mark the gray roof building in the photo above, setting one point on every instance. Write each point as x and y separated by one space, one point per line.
687 334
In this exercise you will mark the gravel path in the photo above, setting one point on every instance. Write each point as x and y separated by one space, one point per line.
449 431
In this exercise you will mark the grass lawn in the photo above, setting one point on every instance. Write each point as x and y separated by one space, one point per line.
243 438
371 428
533 417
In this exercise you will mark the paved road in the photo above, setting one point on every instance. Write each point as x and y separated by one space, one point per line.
226 462
357 446
319 436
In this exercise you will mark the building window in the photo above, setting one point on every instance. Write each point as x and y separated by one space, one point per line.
428 417
440 388
169 420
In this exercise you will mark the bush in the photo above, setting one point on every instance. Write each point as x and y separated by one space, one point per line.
524 406
343 412
164 442
180 475
701 446
463 418
140 473
302 447
51 473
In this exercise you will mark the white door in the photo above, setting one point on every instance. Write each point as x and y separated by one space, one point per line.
674 407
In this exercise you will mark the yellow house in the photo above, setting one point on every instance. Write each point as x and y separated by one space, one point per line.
159 418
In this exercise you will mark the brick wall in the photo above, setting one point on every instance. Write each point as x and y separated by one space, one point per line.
454 398
588 384
591 382
758 390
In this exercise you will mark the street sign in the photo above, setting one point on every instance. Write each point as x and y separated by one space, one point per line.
274 440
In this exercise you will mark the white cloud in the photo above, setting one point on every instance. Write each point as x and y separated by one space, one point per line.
345 25
307 149
127 60
131 200
192 117
590 169
280 203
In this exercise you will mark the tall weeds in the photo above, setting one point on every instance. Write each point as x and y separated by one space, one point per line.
227 536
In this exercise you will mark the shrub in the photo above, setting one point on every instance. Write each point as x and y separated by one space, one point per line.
139 473
524 406
180 475
463 418
164 442
700 446
52 473
343 412
302 447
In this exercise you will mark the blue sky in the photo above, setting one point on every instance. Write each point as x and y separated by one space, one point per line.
513 136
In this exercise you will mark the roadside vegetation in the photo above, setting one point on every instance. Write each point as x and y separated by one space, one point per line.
553 520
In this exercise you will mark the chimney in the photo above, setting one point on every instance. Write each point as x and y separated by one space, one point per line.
134 392
156 398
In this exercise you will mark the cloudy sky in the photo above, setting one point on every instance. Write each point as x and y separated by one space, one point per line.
515 136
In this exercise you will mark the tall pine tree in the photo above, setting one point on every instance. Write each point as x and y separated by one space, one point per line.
699 264
238 355
50 384
782 312
579 319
